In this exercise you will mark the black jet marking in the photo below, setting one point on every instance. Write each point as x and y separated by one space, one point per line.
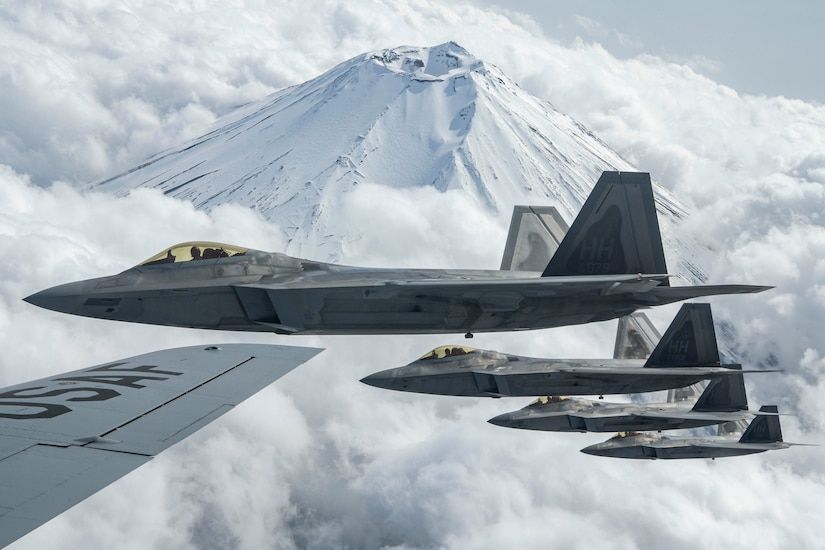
682 346
600 252
122 380
50 410
100 394
141 368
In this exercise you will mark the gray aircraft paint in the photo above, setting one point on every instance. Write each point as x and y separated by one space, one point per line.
464 371
260 291
65 437
763 434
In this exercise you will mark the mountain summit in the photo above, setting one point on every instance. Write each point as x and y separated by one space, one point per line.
403 117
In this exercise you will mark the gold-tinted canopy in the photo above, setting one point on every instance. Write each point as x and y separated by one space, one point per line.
194 251
622 435
447 351
545 399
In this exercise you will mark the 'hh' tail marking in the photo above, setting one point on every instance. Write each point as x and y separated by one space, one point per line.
615 233
764 428
689 341
600 252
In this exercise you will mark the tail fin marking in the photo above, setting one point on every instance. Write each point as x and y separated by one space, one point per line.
690 340
764 428
615 233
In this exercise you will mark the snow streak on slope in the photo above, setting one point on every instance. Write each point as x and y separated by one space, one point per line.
401 118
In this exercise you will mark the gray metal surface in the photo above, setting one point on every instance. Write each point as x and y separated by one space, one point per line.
65 437
610 264
763 434
684 357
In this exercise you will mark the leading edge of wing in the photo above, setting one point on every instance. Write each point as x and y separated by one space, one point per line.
65 437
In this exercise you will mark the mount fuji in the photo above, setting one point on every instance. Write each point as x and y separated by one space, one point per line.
401 118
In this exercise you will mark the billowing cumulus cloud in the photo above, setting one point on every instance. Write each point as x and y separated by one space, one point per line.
319 460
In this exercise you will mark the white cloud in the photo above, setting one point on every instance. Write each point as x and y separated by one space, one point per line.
321 460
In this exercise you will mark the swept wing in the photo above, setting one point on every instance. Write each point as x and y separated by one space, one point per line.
65 437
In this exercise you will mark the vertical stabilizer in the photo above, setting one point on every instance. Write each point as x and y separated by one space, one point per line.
689 341
615 233
535 234
724 394
636 337
733 427
764 428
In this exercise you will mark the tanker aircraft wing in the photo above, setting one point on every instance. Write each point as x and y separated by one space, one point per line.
65 437
610 263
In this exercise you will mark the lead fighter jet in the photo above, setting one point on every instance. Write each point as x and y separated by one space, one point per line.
609 264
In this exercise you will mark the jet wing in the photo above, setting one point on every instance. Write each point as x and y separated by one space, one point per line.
65 437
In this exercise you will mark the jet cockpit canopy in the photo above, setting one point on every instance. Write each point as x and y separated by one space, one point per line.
447 351
548 399
194 251
622 435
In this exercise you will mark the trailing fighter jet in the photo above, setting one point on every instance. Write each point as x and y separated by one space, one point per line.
609 264
65 437
763 434
685 355
722 401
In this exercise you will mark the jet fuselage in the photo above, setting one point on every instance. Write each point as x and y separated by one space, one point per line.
584 415
655 446
484 373
271 292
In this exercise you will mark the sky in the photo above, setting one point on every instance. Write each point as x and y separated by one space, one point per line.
755 47
320 460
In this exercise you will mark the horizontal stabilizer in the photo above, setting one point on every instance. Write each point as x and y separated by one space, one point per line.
668 295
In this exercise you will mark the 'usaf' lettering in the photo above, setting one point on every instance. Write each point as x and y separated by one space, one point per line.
24 409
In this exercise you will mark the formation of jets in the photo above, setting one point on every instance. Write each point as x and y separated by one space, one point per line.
92 426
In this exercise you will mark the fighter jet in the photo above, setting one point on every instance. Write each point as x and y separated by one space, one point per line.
65 437
685 355
763 434
609 264
723 401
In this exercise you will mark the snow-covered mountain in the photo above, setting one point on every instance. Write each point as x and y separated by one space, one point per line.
403 117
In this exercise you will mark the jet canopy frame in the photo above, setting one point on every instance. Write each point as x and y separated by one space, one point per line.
195 251
447 351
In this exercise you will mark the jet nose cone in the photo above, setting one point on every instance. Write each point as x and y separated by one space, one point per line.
61 298
592 450
505 420
383 379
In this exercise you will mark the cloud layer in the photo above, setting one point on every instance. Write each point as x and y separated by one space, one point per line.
320 460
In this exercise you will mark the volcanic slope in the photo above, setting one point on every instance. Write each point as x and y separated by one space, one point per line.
404 117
